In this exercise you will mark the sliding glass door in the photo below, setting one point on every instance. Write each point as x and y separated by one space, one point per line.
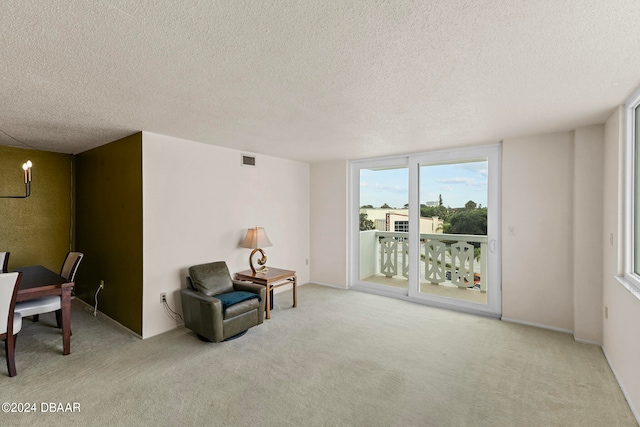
427 228
453 255
383 222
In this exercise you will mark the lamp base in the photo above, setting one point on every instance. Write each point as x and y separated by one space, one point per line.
262 261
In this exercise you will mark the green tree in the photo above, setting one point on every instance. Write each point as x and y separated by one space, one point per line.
439 199
470 205
365 223
469 222
366 207
385 206
431 211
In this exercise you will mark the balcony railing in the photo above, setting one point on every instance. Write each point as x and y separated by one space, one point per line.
449 258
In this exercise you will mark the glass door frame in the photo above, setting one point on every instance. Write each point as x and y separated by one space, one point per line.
493 153
354 220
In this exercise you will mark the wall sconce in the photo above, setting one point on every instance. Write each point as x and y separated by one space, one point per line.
27 182
256 239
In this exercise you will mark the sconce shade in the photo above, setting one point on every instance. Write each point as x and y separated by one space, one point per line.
256 238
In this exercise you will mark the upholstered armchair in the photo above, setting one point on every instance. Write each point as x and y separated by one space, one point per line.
218 308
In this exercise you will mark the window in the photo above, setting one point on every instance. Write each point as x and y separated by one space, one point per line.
401 226
632 194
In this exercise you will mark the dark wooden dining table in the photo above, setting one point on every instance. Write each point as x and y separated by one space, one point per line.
37 282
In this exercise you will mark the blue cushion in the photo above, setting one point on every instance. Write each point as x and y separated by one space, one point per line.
230 298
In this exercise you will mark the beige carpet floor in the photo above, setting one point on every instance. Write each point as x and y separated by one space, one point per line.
341 358
444 289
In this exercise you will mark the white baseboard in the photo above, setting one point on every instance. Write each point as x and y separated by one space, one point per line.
624 391
327 284
537 325
581 341
551 328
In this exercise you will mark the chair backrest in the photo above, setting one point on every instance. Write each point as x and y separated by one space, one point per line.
4 262
9 283
212 278
70 265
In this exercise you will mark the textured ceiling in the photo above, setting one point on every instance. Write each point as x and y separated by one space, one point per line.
311 80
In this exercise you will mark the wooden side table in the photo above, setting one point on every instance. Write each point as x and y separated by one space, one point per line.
273 278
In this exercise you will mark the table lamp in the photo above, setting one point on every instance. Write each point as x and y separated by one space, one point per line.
257 239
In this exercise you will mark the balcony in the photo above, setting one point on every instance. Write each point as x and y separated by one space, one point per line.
451 265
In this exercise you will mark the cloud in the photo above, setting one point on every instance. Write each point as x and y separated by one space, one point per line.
479 168
390 188
459 180
472 182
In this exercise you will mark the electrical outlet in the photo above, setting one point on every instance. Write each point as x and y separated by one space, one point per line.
101 284
163 298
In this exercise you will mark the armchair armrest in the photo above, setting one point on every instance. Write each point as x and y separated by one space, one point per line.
199 296
202 314
243 285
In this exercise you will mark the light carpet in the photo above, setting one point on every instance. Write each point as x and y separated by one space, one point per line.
341 358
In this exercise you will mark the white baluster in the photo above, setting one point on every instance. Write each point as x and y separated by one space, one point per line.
435 263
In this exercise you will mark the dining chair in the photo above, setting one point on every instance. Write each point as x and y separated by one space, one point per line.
10 321
35 307
70 265
4 261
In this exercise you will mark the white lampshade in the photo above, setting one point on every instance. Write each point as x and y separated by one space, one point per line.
256 238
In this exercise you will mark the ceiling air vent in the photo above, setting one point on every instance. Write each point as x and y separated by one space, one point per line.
248 160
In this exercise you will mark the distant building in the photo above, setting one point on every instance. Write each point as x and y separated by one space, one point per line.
397 220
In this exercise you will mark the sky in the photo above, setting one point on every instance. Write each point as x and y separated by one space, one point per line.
457 183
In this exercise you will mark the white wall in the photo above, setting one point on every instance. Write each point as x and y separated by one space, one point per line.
621 341
551 184
587 233
198 202
537 201
367 245
329 223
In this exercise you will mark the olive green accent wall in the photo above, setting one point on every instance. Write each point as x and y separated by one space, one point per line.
109 229
38 229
